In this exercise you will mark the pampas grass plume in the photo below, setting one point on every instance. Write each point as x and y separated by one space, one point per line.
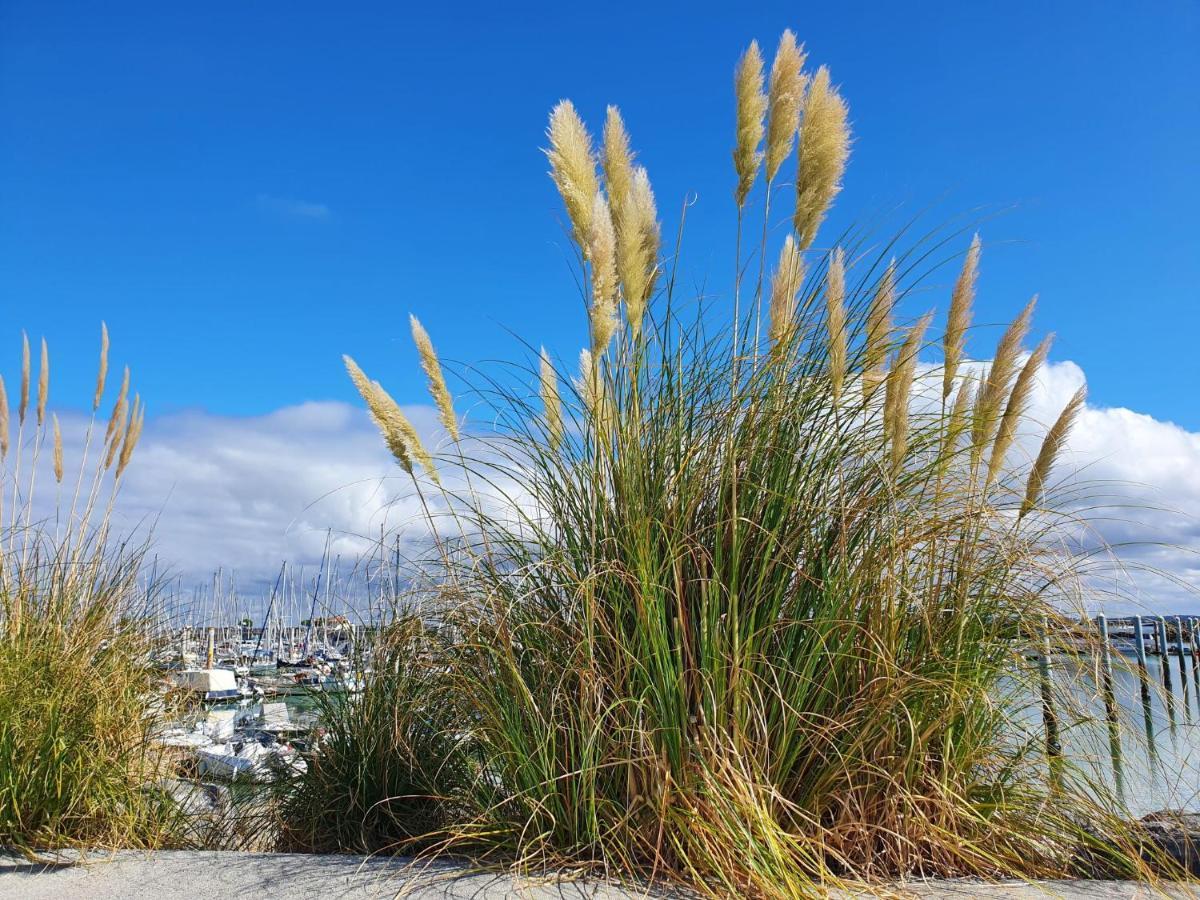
401 437
3 419
133 431
638 238
551 401
995 389
603 246
751 107
618 163
43 384
785 285
102 372
1014 411
899 389
879 331
824 149
785 95
434 377
573 168
58 450
1052 446
959 318
835 322
23 405
116 420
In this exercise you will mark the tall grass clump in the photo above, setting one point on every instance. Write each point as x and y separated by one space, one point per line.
76 687
742 600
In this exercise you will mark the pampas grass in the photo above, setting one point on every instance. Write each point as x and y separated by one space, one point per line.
835 323
434 377
785 95
879 331
1015 409
573 167
551 401
785 285
751 105
824 149
959 318
996 385
398 432
78 696
602 251
1052 446
739 626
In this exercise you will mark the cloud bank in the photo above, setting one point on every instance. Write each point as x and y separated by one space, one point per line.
245 494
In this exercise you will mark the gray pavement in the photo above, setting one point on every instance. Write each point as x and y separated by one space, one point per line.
279 876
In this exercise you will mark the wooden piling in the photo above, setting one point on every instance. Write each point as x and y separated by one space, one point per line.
1144 680
1194 645
1164 658
1110 705
1049 718
1183 679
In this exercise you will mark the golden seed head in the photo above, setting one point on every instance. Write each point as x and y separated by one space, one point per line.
398 432
573 168
879 331
117 425
785 285
133 431
588 384
434 377
3 419
23 406
1052 445
603 244
786 94
960 413
835 322
58 450
899 390
959 319
618 163
118 413
102 371
638 238
751 107
824 149
551 401
43 384
1014 411
994 392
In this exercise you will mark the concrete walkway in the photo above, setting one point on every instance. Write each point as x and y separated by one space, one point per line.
278 876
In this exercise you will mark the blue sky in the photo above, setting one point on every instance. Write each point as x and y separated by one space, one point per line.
246 191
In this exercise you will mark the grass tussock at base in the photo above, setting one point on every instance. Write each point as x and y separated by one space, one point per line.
740 606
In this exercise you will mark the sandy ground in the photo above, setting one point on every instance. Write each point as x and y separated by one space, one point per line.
277 876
